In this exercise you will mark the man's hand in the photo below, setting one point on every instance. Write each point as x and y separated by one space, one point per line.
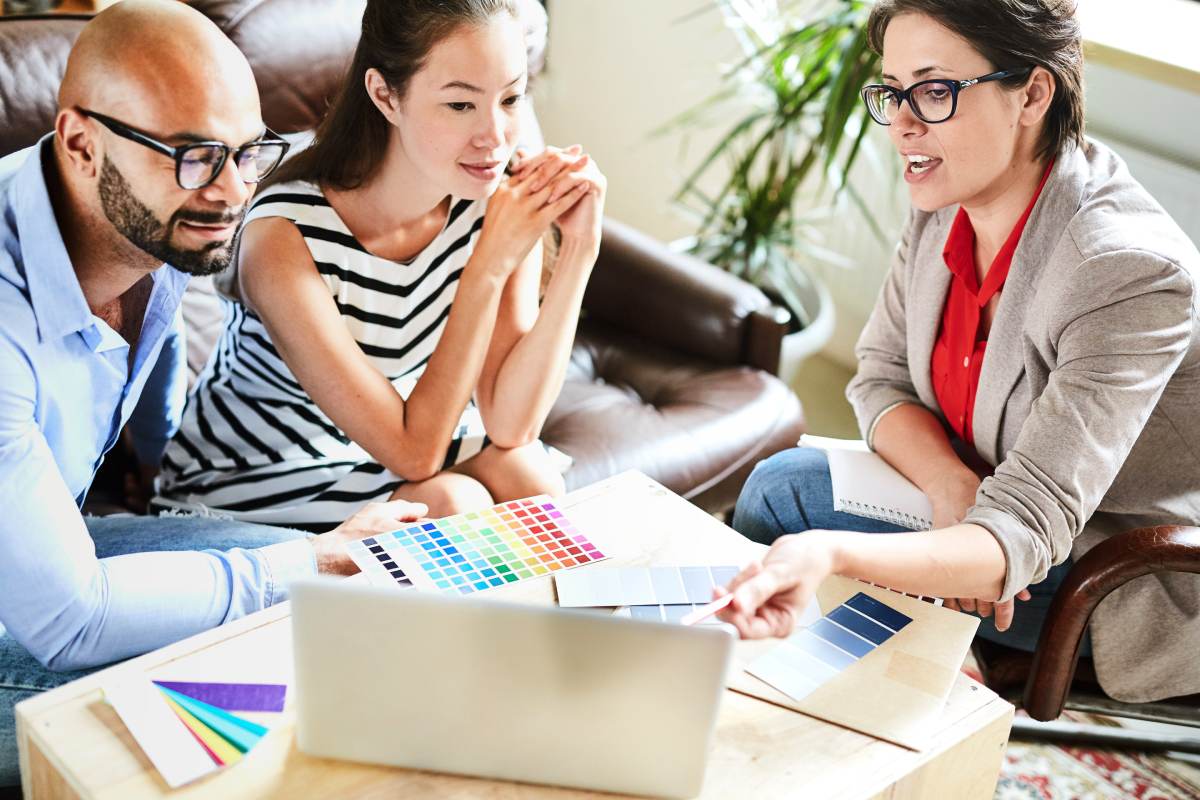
374 518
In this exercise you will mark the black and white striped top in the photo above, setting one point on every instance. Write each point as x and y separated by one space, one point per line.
252 444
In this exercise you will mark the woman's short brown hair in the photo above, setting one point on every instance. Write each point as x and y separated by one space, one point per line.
1011 34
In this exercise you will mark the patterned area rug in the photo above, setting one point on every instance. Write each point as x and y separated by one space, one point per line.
1034 771
1050 772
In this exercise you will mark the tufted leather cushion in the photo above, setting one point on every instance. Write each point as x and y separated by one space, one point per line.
696 428
299 49
711 323
33 59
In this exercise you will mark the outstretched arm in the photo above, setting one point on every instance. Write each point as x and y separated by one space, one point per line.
960 561
528 356
72 610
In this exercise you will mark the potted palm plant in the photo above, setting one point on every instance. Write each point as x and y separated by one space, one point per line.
782 166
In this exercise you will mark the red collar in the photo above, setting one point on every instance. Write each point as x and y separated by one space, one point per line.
959 250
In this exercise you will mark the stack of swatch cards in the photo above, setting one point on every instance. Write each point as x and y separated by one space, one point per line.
666 594
877 661
189 730
477 551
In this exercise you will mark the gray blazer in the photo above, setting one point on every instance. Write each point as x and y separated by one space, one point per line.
1089 398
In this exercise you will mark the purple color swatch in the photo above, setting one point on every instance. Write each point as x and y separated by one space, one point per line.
233 696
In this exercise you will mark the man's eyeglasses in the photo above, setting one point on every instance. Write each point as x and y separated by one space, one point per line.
931 101
197 164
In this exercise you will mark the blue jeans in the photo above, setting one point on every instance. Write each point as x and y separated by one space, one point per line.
21 676
791 492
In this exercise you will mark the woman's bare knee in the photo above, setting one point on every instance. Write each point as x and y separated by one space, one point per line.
446 493
520 472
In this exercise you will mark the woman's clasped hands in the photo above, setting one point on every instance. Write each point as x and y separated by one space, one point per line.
558 185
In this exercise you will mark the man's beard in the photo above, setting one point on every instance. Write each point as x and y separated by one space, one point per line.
137 223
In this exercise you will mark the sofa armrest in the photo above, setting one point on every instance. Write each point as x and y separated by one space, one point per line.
1107 566
644 288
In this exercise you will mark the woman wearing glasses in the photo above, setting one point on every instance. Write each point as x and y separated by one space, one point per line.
390 341
1038 328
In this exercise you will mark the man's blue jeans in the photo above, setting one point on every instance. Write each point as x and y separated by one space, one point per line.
791 492
21 676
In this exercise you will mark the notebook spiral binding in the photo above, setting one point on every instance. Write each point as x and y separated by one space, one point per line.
885 514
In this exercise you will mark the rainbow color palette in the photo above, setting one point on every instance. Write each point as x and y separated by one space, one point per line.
183 736
819 652
477 551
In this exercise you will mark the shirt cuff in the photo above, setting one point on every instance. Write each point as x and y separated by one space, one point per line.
287 562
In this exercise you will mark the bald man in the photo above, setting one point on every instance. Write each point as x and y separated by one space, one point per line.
156 148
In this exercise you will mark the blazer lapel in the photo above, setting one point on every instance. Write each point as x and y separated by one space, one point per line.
931 283
1004 360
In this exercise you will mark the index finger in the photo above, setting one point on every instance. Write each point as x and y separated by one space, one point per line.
754 592
1004 615
528 160
748 571
402 510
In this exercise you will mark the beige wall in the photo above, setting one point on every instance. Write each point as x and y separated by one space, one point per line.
617 69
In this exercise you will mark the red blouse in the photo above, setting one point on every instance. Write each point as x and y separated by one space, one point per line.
961 342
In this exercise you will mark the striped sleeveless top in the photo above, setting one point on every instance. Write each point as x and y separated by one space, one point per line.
252 444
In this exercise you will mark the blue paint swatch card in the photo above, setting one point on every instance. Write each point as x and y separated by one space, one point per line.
818 653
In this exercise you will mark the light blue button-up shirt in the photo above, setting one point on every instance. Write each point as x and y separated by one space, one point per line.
67 387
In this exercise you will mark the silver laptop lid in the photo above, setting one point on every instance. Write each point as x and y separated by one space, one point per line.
523 693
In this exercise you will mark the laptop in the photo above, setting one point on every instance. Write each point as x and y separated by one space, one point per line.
496 690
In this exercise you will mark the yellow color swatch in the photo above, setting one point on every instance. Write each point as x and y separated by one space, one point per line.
223 750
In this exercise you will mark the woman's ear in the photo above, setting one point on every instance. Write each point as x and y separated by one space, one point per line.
1038 94
382 95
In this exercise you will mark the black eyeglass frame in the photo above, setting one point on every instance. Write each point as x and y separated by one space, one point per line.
179 153
904 95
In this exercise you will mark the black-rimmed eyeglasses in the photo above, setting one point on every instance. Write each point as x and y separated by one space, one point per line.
931 101
197 164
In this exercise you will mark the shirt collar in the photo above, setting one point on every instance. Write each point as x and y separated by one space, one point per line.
54 292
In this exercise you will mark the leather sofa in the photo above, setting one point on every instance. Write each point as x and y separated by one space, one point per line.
672 369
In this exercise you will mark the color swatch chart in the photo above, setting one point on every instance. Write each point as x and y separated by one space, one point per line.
187 730
819 652
479 550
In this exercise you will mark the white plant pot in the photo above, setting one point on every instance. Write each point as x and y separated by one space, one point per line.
812 339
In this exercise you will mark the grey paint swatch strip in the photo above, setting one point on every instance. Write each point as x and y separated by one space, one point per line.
640 586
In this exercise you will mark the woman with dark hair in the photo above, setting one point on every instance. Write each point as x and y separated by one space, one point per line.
389 342
1040 320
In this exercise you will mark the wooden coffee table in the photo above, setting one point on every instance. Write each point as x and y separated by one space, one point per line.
73 744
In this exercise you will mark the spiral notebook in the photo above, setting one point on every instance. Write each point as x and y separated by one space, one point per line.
867 486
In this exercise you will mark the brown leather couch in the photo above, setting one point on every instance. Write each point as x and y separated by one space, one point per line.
672 370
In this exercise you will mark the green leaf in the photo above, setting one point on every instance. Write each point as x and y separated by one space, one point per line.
807 60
